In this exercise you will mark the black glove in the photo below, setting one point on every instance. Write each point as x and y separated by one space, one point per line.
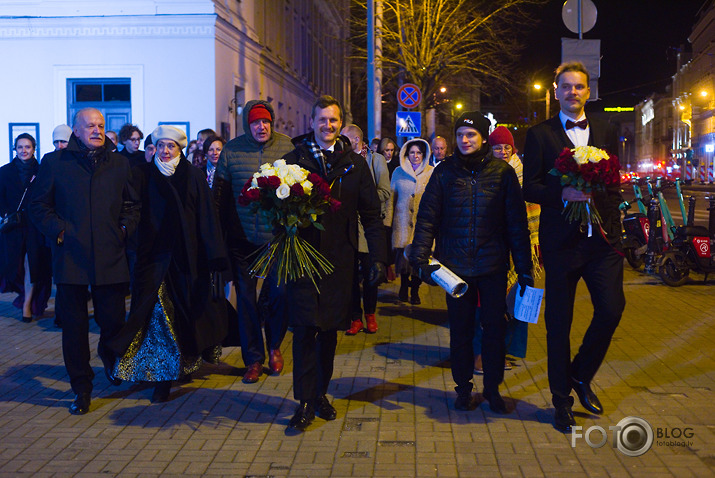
424 272
216 285
378 274
524 280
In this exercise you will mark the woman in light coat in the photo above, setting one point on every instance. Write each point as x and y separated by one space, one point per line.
407 185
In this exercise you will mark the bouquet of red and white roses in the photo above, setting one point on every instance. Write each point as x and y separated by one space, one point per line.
289 197
588 169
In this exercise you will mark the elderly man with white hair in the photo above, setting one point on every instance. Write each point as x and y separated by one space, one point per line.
84 203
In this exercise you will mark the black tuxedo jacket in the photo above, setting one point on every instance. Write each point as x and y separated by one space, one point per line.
544 143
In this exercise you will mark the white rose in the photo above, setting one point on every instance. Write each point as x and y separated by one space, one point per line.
298 173
283 191
580 155
254 183
279 163
285 175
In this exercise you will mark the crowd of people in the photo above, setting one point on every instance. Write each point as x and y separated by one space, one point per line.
165 224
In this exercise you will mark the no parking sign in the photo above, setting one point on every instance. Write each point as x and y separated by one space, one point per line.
409 96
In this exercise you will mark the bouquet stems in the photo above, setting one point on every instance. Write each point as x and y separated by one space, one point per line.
583 212
296 258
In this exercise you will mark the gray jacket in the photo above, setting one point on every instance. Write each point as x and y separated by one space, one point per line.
240 158
381 175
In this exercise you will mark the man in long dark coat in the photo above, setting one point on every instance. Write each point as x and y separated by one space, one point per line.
316 316
84 204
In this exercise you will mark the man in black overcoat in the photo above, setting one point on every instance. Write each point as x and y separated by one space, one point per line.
84 204
316 316
571 253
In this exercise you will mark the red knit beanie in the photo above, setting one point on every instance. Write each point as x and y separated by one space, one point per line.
501 135
259 112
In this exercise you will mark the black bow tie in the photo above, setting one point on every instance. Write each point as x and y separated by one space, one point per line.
581 124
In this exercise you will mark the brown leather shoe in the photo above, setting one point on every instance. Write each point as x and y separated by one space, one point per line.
371 327
275 361
355 327
254 371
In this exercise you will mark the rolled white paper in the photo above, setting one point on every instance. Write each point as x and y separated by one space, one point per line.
448 280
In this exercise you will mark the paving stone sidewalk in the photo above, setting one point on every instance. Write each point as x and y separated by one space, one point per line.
394 394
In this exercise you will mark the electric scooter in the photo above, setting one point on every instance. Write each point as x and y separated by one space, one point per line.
691 249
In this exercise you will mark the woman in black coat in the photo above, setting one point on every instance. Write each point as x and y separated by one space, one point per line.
25 260
176 319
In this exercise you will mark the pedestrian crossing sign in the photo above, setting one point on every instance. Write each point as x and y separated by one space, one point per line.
409 123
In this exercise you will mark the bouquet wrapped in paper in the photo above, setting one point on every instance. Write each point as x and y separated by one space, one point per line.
290 198
588 169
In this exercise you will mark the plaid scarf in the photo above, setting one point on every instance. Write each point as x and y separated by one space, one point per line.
321 156
318 154
364 150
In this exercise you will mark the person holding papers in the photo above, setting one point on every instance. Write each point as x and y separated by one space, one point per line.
472 209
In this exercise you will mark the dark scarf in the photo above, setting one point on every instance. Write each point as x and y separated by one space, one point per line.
473 161
92 155
26 169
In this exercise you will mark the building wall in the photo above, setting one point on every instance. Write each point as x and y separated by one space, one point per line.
185 59
694 94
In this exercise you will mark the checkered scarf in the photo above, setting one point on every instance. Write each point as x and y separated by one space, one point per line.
319 155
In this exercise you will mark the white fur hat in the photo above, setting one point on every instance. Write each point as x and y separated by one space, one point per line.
169 132
61 133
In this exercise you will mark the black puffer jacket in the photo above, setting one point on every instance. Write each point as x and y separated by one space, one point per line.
476 215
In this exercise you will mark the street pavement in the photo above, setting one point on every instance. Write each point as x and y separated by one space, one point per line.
394 395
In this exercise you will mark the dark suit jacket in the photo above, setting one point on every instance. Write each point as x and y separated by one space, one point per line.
544 143
91 206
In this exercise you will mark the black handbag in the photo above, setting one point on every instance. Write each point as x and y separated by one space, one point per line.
14 219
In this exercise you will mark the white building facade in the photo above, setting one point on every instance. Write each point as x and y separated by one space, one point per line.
191 63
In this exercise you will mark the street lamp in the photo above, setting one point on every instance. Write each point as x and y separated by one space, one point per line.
547 99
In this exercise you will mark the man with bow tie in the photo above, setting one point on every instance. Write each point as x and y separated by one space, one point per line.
569 253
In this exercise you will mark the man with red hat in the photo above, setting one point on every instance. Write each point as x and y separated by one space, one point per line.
246 232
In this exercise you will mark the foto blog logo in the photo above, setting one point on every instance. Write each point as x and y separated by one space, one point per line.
632 436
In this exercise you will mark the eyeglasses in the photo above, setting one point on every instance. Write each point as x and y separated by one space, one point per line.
135 140
500 149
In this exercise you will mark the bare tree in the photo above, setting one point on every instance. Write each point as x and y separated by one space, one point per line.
435 42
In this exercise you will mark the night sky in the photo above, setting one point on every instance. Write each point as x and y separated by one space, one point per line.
639 42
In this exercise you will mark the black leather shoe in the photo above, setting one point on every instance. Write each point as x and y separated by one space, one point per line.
588 399
27 320
496 402
465 402
304 416
161 392
563 418
324 409
80 406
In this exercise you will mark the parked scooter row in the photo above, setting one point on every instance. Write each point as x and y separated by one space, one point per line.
651 236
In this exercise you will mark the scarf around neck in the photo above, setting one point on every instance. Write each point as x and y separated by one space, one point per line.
167 168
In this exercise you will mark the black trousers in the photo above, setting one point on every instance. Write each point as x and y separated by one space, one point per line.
271 306
368 298
71 310
601 268
485 299
313 358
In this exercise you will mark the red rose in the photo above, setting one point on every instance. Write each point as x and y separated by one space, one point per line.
297 190
247 196
324 189
274 182
315 178
334 205
269 182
